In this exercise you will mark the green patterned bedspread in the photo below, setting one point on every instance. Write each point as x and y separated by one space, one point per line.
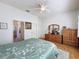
29 49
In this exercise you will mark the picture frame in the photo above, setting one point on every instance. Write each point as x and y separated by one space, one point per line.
28 25
3 25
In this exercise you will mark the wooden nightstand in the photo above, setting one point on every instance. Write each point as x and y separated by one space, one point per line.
53 38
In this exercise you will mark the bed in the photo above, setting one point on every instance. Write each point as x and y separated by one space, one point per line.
29 49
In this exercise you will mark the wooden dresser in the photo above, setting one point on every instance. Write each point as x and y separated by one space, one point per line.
70 37
53 38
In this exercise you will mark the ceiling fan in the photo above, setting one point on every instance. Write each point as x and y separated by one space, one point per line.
41 7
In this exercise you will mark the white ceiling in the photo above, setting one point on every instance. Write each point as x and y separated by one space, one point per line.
54 6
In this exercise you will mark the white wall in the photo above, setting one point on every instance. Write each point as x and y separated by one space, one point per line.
68 19
8 14
78 23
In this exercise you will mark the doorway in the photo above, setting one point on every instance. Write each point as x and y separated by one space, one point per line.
18 32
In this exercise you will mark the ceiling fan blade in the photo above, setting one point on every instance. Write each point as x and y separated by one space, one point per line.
41 2
41 7
32 9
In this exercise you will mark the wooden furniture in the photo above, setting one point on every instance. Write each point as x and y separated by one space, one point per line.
70 37
53 38
53 34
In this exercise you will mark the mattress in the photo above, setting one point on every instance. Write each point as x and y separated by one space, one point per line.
29 49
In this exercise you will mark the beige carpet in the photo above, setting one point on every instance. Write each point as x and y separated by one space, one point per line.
63 54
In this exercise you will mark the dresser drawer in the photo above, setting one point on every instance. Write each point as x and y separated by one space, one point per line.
55 38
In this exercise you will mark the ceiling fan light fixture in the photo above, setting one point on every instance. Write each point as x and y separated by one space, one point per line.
43 8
